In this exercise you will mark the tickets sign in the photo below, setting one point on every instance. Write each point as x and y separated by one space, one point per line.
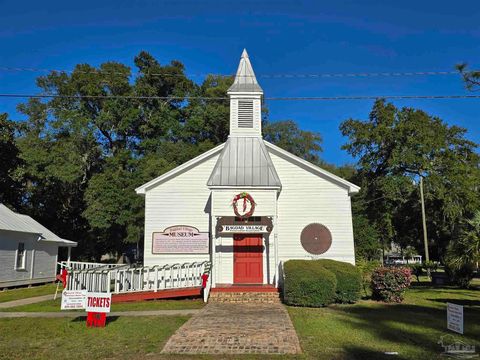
73 299
180 239
98 302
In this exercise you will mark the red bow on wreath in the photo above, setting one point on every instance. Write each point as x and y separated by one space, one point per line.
246 197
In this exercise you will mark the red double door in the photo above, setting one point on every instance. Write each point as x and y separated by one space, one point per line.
247 259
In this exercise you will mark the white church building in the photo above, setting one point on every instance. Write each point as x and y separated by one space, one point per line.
247 205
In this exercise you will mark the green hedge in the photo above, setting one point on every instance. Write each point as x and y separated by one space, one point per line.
307 283
349 280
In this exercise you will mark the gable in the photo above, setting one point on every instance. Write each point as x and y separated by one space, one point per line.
305 166
209 156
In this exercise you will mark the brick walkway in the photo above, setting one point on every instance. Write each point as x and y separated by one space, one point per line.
222 328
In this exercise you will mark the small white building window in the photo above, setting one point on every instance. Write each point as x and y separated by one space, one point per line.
20 257
245 114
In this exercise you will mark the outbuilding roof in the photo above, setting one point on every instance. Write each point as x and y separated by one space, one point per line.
12 221
245 79
244 161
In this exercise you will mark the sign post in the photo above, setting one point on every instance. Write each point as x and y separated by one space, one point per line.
97 306
455 317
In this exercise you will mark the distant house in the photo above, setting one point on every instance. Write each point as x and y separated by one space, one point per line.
28 250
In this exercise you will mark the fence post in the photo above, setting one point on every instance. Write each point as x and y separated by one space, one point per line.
108 281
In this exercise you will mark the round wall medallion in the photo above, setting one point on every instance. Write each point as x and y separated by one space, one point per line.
316 238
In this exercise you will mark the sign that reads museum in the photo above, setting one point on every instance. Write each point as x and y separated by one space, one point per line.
180 239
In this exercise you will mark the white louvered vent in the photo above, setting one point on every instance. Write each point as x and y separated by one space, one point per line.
245 114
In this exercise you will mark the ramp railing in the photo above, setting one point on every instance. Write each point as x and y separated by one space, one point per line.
121 279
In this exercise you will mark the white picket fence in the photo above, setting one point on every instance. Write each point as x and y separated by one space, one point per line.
120 279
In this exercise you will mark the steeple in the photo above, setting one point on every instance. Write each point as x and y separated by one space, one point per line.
245 101
245 80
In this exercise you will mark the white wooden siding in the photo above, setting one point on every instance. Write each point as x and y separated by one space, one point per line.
264 199
182 200
44 266
307 198
45 260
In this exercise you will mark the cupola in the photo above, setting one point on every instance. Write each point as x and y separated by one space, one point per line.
245 101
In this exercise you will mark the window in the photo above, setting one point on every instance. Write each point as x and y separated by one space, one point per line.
245 114
20 258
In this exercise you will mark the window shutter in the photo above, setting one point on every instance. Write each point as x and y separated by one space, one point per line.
245 114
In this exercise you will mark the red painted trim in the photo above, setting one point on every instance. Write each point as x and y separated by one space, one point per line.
160 294
245 288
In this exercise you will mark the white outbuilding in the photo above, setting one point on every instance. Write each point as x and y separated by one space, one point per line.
247 205
28 250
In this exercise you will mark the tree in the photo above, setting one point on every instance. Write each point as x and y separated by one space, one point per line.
57 164
470 77
10 187
287 135
465 251
367 239
83 154
396 147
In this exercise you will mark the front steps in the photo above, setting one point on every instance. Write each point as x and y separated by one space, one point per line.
266 295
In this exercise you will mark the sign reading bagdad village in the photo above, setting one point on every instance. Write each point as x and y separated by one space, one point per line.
180 239
235 225
253 229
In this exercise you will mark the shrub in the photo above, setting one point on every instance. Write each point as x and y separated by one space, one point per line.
349 281
389 283
417 270
307 283
460 276
366 268
430 266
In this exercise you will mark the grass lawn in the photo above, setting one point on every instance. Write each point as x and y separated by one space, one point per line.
368 329
122 338
54 305
22 293
365 330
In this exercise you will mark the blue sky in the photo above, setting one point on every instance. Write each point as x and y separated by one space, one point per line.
294 37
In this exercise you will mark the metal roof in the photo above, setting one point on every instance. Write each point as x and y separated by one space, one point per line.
244 161
245 80
12 221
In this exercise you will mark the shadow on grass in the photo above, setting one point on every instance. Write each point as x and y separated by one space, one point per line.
422 284
109 320
407 324
470 303
358 352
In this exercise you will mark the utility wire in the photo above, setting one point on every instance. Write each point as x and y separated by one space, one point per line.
305 98
265 76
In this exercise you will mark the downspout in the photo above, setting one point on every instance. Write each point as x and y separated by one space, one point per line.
275 239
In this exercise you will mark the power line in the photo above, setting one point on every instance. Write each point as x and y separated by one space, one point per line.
264 76
305 98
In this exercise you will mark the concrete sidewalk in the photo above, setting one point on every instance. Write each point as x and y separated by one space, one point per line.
27 301
74 314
